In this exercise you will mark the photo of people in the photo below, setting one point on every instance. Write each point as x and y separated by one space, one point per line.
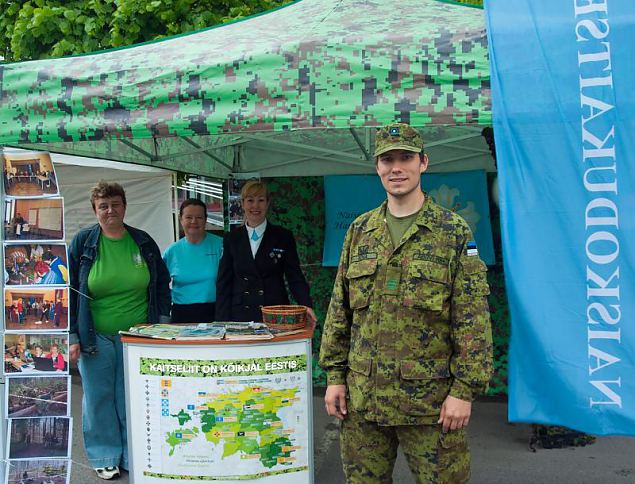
28 174
35 264
38 471
36 309
28 353
34 219
39 437
235 211
39 396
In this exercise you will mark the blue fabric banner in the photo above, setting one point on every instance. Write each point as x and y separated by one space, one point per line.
564 122
347 197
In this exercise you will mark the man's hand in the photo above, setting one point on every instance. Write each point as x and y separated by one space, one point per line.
455 413
335 400
73 352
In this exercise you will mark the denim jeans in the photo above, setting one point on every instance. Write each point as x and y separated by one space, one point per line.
104 404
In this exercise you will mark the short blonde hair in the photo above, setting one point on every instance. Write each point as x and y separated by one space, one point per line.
254 188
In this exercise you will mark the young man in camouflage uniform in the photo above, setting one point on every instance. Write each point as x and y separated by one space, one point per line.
407 340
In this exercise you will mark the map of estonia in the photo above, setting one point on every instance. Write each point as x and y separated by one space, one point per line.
245 422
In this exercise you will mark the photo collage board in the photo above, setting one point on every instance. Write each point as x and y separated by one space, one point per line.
35 331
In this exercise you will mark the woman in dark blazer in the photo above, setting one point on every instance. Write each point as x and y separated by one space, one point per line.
257 257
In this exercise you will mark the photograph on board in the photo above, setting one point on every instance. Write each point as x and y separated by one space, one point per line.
236 215
37 396
39 471
34 219
35 264
28 174
40 437
30 353
37 309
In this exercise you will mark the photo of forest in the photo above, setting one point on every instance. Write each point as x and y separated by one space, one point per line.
38 397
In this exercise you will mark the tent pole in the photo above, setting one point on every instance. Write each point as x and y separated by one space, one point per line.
303 147
206 151
133 146
237 158
360 144
175 203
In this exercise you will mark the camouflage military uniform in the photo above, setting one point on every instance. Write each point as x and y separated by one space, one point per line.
406 327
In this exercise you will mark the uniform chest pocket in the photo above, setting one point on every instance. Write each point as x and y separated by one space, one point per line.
361 276
427 285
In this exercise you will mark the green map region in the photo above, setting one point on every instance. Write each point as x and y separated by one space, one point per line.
183 417
244 422
180 436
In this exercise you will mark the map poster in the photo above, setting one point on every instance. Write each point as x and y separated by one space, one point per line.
232 412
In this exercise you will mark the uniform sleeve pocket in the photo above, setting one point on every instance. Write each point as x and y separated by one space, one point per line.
360 280
475 276
424 369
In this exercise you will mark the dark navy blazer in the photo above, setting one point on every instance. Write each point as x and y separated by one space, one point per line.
245 283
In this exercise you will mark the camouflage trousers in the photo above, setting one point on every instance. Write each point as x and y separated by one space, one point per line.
369 452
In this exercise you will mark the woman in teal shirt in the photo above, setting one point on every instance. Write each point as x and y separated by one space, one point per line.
193 265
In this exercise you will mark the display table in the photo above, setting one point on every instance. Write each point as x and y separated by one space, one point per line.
235 411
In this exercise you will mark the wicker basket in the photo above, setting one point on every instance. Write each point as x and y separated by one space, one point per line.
284 318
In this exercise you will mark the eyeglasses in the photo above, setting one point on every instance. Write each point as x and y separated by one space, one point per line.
104 207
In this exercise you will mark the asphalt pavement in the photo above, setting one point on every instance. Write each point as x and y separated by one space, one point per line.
500 452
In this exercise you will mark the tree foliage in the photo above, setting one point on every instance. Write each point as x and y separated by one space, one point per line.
38 29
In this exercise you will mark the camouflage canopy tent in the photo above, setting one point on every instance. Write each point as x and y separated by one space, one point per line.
295 92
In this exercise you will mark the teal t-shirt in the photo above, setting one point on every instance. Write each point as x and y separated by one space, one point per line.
118 284
193 269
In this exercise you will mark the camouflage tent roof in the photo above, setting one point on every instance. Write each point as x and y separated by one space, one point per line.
296 91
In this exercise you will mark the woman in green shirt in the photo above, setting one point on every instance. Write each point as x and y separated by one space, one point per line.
119 280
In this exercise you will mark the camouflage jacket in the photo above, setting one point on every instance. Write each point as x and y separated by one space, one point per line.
409 325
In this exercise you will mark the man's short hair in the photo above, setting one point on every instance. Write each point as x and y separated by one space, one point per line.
104 189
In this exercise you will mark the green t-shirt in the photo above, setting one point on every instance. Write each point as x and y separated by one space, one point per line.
397 226
118 283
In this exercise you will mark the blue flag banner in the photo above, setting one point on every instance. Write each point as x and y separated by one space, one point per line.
564 122
347 197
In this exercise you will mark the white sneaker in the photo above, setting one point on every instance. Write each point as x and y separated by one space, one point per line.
107 473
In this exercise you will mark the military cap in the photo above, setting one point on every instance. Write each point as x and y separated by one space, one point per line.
398 136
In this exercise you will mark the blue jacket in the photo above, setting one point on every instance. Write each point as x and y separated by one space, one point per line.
82 254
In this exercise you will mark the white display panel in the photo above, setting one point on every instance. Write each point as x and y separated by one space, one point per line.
236 412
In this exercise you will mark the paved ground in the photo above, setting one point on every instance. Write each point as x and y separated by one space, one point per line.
500 453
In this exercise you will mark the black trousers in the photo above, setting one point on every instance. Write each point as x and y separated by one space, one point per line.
193 313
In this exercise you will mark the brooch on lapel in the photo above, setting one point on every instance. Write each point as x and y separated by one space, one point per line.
276 254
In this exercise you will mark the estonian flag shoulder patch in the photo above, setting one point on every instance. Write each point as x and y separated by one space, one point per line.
471 249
